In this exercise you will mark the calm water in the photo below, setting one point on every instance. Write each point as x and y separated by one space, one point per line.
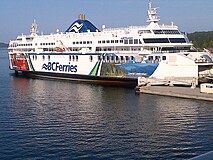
46 119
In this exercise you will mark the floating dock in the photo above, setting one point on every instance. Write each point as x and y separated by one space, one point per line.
173 91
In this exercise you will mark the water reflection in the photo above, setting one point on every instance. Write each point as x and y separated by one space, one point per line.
50 118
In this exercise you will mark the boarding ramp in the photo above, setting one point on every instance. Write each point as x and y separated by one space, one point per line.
171 81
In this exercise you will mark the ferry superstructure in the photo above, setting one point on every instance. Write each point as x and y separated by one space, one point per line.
114 55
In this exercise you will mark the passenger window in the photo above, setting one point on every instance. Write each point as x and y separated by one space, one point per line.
117 58
135 41
91 58
107 58
125 41
112 58
99 58
122 58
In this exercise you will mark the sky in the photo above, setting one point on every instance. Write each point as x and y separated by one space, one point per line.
16 16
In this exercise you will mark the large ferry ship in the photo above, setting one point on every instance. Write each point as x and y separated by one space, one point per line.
111 55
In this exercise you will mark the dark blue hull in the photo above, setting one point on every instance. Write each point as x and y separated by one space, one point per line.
105 80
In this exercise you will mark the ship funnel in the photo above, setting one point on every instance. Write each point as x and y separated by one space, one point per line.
82 17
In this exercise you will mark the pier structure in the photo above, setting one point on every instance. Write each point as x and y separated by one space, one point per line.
176 91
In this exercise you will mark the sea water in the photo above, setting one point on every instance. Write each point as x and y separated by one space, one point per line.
55 119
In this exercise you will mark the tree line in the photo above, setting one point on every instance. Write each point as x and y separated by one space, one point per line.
3 45
201 39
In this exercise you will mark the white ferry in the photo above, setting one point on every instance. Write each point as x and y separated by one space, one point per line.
111 55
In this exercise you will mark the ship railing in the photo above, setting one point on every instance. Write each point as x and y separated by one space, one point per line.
114 29
168 26
123 28
138 27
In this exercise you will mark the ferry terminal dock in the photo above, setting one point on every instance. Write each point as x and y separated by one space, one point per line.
176 91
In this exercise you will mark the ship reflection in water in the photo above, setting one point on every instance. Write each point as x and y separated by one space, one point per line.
54 119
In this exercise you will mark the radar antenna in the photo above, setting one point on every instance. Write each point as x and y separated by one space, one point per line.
152 14
34 28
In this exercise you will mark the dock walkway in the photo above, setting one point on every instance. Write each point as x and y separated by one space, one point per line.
181 92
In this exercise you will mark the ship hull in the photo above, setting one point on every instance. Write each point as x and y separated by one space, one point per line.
95 70
103 80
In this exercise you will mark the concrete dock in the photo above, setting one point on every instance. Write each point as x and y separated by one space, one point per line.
181 92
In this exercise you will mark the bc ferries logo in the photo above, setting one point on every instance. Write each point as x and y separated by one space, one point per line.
56 66
76 27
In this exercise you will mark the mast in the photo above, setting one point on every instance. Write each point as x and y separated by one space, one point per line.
34 28
152 14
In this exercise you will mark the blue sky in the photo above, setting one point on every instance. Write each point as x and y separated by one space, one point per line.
17 15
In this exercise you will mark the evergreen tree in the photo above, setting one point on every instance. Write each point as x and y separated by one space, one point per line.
202 39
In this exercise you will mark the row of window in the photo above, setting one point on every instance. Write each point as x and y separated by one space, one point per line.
166 32
71 57
118 48
46 44
110 41
156 59
27 38
82 42
25 50
28 44
114 58
109 48
164 40
49 49
131 41
104 58
144 31
125 41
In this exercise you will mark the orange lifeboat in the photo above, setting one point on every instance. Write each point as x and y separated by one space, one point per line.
59 49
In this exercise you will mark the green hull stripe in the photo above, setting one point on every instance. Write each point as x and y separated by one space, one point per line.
94 71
